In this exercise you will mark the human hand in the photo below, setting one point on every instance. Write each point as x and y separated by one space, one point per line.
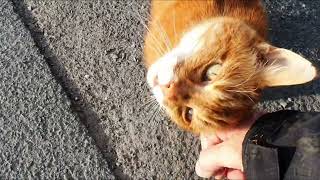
221 154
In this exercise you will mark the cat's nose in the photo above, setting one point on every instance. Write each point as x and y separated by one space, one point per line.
170 90
165 86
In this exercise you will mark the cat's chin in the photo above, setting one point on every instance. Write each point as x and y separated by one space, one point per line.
158 94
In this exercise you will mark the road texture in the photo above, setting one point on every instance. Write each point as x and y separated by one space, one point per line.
93 49
40 136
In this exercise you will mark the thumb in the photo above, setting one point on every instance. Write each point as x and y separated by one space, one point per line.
227 154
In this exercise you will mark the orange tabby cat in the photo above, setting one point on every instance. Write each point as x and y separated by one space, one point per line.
208 60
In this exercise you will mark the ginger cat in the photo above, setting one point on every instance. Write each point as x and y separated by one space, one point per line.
208 61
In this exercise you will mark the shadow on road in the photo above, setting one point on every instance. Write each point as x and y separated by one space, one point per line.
78 104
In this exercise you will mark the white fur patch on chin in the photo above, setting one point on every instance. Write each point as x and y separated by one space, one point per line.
158 94
162 70
166 68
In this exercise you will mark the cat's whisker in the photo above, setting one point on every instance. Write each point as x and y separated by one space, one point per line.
164 35
154 102
264 66
149 102
156 50
174 25
154 106
145 19
246 96
154 113
156 43
160 33
258 71
242 91
162 110
157 111
142 20
245 81
151 98
154 46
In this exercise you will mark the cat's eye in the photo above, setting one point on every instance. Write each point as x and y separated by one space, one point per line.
188 114
212 72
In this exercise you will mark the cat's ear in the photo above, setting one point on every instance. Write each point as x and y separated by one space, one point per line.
285 67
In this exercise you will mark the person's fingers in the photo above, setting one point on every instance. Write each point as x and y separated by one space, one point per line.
209 140
226 154
222 150
220 174
235 174
203 172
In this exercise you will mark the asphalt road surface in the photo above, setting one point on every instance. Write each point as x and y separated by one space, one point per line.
73 96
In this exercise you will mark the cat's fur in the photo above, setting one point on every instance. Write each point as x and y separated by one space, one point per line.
185 38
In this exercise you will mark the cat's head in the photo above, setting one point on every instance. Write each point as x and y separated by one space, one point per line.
214 76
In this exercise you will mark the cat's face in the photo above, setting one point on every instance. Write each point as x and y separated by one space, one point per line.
213 77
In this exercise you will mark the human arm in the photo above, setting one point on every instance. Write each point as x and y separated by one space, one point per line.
280 145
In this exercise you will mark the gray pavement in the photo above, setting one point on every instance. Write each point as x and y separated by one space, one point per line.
94 46
40 136
93 50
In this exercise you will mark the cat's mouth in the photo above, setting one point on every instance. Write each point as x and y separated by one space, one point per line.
152 79
158 94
